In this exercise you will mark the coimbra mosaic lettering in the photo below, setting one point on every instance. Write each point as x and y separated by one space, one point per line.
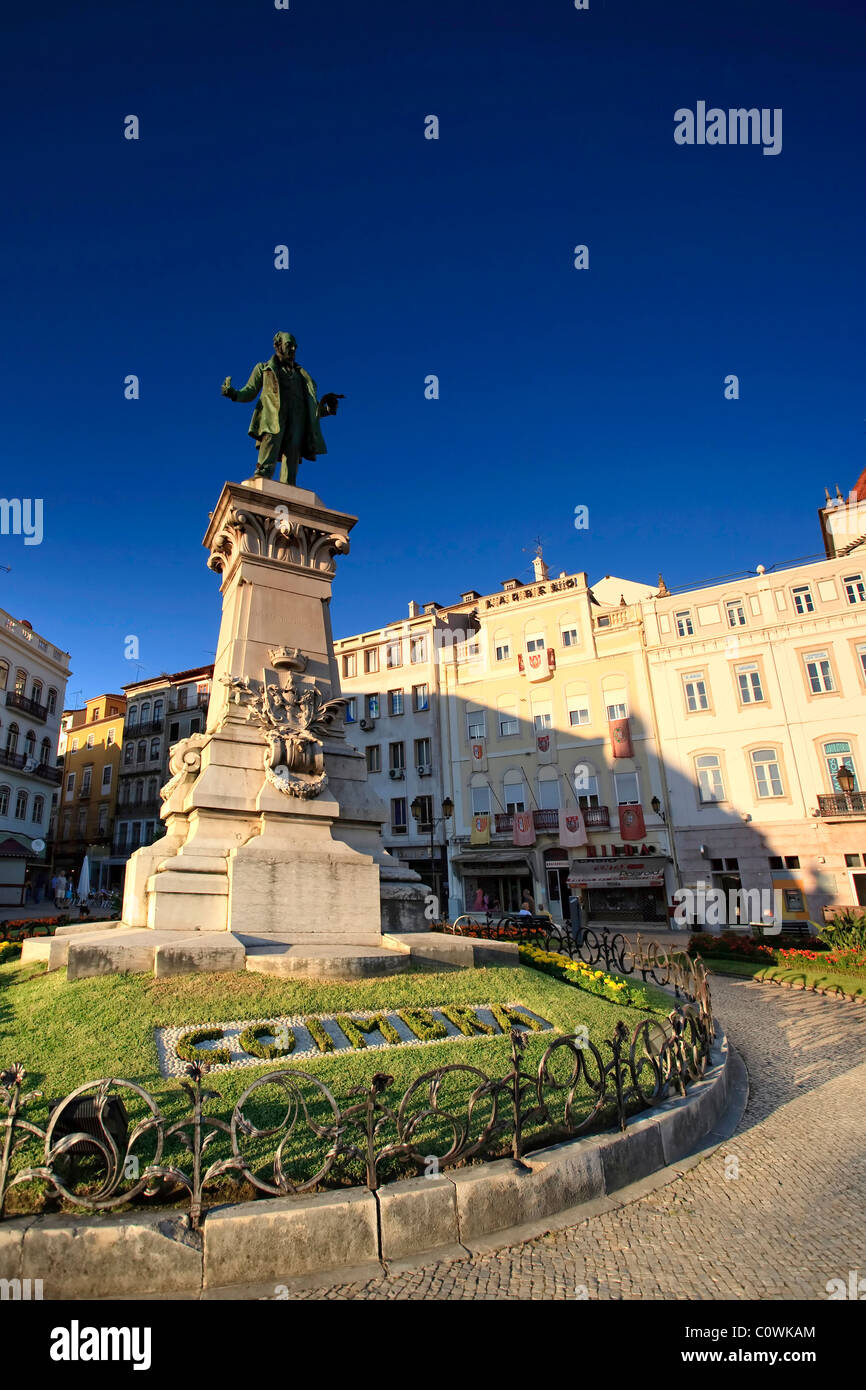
248 1044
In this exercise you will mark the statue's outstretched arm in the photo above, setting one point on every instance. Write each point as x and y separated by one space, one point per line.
328 403
248 392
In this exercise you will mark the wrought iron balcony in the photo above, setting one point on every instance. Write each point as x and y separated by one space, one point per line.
842 804
138 810
595 817
8 759
24 702
151 726
48 773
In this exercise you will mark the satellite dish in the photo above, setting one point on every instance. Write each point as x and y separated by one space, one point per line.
38 845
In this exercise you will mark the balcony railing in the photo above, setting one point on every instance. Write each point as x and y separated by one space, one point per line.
48 773
24 702
138 810
150 726
595 817
8 759
843 804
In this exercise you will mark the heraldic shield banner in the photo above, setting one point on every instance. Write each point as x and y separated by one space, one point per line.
572 829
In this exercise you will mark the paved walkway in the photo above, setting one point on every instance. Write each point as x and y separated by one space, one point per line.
792 1219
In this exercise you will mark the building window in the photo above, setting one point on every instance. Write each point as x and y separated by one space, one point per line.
350 664
4 674
135 835
128 753
861 657
102 820
141 754
542 719
30 744
509 724
418 650
152 789
425 819
768 774
617 711
535 643
20 682
52 701
195 726
374 758
695 687
109 738
710 784
21 806
838 755
515 795
476 726
70 784
38 809
855 589
371 660
480 801
90 740
394 654
45 752
749 683
398 816
132 717
154 748
802 596
183 697
549 798
106 777
173 733
351 709
36 692
683 620
86 779
82 824
503 650
420 697
736 614
852 861
372 706
627 789
4 801
395 702
422 752
121 836
585 787
819 673
157 711
396 757
579 715
570 637
145 712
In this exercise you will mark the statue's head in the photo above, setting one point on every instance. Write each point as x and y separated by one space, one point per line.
285 345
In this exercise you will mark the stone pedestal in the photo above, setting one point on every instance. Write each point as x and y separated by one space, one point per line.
272 828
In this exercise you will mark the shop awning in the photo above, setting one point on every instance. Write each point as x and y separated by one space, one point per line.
591 874
502 859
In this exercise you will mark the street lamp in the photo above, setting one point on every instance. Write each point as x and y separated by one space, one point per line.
657 809
846 779
418 808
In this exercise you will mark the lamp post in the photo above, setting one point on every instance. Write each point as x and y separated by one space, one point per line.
657 809
846 779
417 808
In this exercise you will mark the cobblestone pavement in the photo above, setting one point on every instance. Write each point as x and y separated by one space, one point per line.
793 1218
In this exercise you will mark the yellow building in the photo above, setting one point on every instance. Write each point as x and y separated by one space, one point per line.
94 736
547 708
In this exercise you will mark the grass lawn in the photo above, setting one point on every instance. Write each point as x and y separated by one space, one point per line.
68 1032
812 978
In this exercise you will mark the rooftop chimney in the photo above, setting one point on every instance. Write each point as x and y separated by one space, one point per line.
414 609
541 572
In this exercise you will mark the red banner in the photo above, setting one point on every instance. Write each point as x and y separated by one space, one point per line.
631 823
524 828
620 737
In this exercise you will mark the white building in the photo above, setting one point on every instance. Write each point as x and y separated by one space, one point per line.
33 676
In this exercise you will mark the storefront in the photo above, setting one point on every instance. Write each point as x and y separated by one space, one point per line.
500 874
618 890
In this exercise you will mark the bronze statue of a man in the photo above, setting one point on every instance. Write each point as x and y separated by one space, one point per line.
285 423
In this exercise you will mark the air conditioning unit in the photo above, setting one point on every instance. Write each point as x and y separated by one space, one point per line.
365 724
397 773
424 769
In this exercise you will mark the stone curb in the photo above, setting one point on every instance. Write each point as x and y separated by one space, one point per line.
839 995
274 1240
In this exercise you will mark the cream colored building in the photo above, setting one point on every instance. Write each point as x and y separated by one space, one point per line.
530 703
759 687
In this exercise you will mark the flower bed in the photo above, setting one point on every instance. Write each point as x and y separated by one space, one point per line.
583 976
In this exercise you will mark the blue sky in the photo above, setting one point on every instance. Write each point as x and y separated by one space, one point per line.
412 257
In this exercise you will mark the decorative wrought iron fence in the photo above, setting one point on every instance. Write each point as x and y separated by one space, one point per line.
288 1134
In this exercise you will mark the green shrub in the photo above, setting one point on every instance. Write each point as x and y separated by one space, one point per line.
847 930
466 1020
9 950
323 1040
187 1047
359 1026
251 1041
422 1023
